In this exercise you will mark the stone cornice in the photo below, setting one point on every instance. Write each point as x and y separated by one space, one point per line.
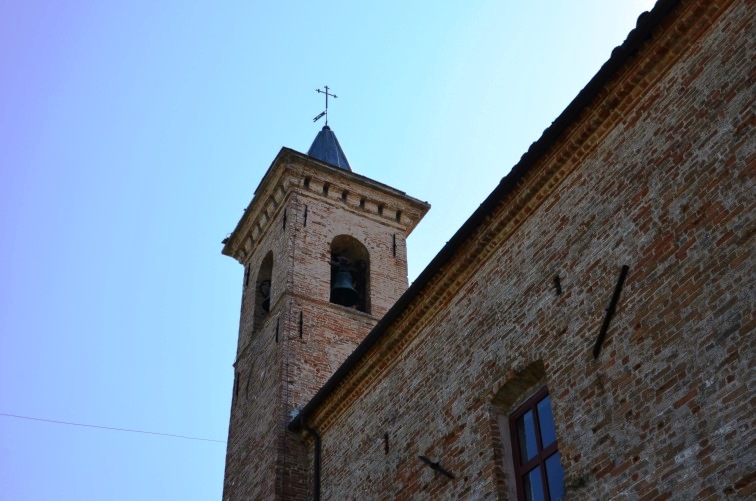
293 172
606 110
268 200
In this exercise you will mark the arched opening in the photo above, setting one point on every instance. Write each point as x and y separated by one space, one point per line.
350 272
263 290
526 448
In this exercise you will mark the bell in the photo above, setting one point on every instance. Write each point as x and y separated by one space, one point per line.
264 289
342 291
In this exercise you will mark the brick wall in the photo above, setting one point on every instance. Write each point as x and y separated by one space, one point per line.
286 355
657 175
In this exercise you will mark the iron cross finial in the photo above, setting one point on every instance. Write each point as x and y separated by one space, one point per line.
325 113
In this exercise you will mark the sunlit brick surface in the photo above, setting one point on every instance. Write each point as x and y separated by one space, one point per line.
656 173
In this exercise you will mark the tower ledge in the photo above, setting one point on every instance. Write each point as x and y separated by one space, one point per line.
295 172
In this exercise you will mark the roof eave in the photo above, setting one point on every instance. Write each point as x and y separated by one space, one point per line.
647 22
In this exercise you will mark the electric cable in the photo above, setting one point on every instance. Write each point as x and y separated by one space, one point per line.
111 428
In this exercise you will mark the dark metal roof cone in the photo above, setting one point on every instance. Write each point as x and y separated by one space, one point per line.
326 147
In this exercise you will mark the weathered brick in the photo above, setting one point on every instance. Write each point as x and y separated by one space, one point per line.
663 182
656 173
284 356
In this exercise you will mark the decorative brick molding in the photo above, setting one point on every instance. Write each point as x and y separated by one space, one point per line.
616 104
293 173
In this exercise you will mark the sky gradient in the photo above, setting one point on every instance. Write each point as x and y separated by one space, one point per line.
132 136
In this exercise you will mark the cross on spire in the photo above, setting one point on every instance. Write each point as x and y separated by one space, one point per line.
325 113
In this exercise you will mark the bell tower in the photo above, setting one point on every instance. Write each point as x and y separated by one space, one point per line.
324 257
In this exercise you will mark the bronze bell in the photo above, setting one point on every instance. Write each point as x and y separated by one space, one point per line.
343 292
265 293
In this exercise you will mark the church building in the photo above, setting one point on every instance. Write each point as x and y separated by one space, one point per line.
587 333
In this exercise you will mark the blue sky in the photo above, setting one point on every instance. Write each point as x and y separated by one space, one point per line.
132 136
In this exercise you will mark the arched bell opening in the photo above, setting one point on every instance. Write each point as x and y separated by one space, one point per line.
263 290
350 272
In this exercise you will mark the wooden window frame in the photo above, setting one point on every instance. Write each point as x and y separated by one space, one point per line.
539 459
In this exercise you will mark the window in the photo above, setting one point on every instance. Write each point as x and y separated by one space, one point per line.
538 472
350 272
263 291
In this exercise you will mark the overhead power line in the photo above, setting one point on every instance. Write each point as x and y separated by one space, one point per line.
111 428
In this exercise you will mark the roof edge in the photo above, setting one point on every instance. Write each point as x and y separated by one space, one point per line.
647 22
286 155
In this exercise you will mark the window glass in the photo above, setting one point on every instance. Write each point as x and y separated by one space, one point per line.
526 436
534 485
539 473
546 422
555 475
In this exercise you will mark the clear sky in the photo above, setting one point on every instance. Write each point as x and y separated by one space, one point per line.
132 136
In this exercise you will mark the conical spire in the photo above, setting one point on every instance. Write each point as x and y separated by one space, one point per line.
326 148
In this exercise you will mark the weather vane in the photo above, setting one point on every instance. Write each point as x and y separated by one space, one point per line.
325 113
